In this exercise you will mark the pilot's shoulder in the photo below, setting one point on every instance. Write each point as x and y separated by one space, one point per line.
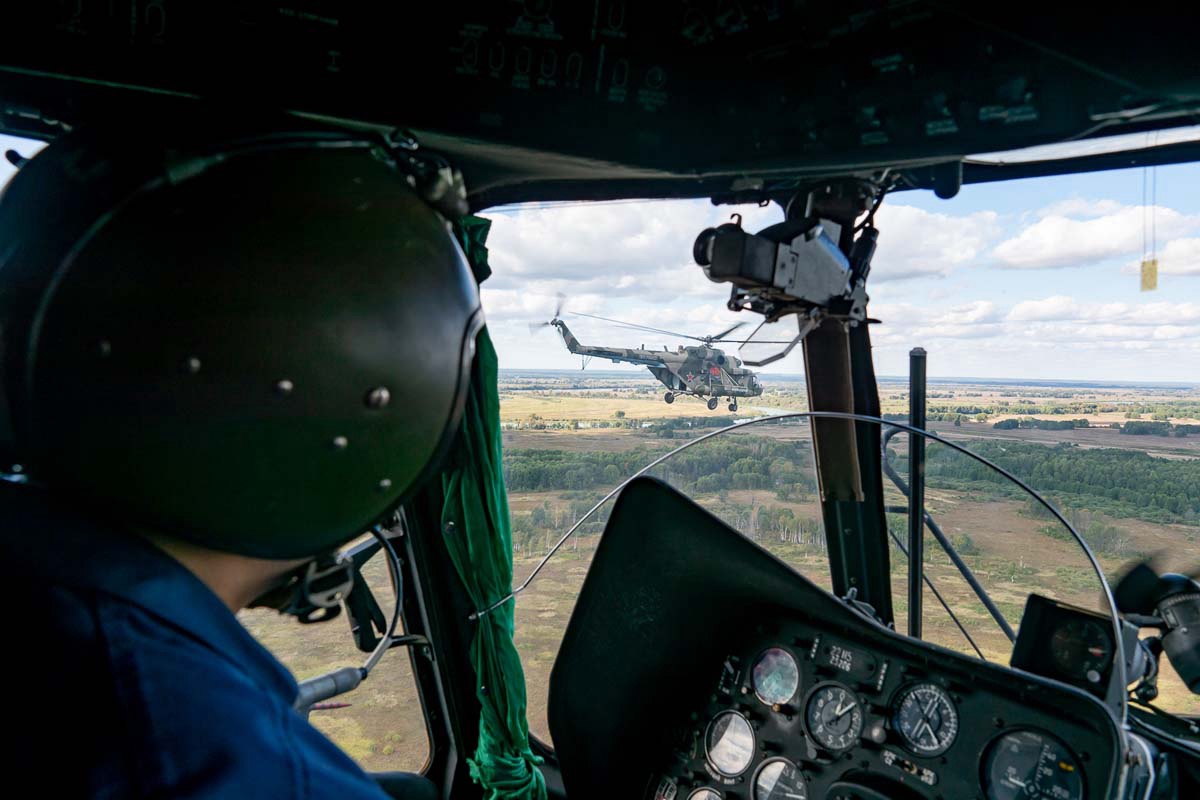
212 726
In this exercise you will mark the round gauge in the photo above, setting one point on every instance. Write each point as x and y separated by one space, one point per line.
1029 765
776 676
834 716
1081 649
779 779
704 793
729 743
926 719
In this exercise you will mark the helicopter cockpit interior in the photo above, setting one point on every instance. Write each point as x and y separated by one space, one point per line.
698 665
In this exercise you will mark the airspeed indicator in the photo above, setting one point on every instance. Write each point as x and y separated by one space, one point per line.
834 716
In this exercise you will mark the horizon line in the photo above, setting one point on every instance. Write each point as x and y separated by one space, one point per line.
904 378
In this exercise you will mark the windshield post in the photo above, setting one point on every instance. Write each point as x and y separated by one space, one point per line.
916 481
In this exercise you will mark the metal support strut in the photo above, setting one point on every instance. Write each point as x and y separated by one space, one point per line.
916 497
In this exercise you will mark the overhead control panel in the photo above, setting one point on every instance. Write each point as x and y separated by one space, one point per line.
754 92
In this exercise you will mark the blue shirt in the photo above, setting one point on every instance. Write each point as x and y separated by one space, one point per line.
125 676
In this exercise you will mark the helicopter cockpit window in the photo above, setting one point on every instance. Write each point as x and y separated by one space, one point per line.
1071 368
15 150
379 724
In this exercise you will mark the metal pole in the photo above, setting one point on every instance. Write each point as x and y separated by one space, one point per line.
916 496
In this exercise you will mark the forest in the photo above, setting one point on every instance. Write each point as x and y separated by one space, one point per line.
1120 483
735 463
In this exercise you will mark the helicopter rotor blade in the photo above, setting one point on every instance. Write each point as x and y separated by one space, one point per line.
756 341
558 309
637 327
720 337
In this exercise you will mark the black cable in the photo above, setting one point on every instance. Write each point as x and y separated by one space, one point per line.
397 587
940 599
1161 736
947 546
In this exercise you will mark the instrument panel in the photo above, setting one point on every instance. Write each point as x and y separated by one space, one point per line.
707 669
803 713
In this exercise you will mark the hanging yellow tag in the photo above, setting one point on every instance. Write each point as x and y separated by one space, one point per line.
1149 274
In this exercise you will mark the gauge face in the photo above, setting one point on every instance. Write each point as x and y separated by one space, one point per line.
926 719
704 793
1028 765
834 716
776 676
779 779
1081 649
729 743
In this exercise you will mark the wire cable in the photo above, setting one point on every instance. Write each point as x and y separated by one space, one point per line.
393 563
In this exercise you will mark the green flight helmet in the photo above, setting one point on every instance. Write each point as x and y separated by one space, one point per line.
260 342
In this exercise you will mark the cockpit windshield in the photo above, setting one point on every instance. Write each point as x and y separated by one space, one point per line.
989 543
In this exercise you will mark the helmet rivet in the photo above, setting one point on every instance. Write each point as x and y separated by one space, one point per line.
105 348
284 386
17 469
340 442
193 365
379 397
385 484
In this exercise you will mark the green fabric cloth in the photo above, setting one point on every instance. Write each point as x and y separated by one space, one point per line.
472 233
475 524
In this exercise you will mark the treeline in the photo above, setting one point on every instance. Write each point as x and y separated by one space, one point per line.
718 465
1100 534
679 427
1041 424
1119 483
1143 428
662 428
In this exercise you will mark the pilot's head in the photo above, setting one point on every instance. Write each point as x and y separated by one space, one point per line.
255 342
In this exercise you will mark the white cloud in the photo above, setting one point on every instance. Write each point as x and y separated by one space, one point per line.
1080 207
1178 257
911 323
1064 308
915 243
614 247
1057 307
1058 240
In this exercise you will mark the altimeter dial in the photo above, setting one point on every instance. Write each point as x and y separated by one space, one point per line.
926 718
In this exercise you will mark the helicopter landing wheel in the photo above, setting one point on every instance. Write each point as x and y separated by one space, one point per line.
733 406
712 404
669 398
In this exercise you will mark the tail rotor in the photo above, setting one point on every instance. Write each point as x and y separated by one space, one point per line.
534 327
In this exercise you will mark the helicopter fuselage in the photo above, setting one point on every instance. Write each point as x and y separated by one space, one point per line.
701 370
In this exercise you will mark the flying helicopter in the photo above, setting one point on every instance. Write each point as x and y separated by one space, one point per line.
700 371
815 107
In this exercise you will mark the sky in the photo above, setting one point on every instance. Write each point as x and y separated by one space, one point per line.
1023 279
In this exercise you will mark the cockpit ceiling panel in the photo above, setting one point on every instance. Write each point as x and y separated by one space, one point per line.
612 98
